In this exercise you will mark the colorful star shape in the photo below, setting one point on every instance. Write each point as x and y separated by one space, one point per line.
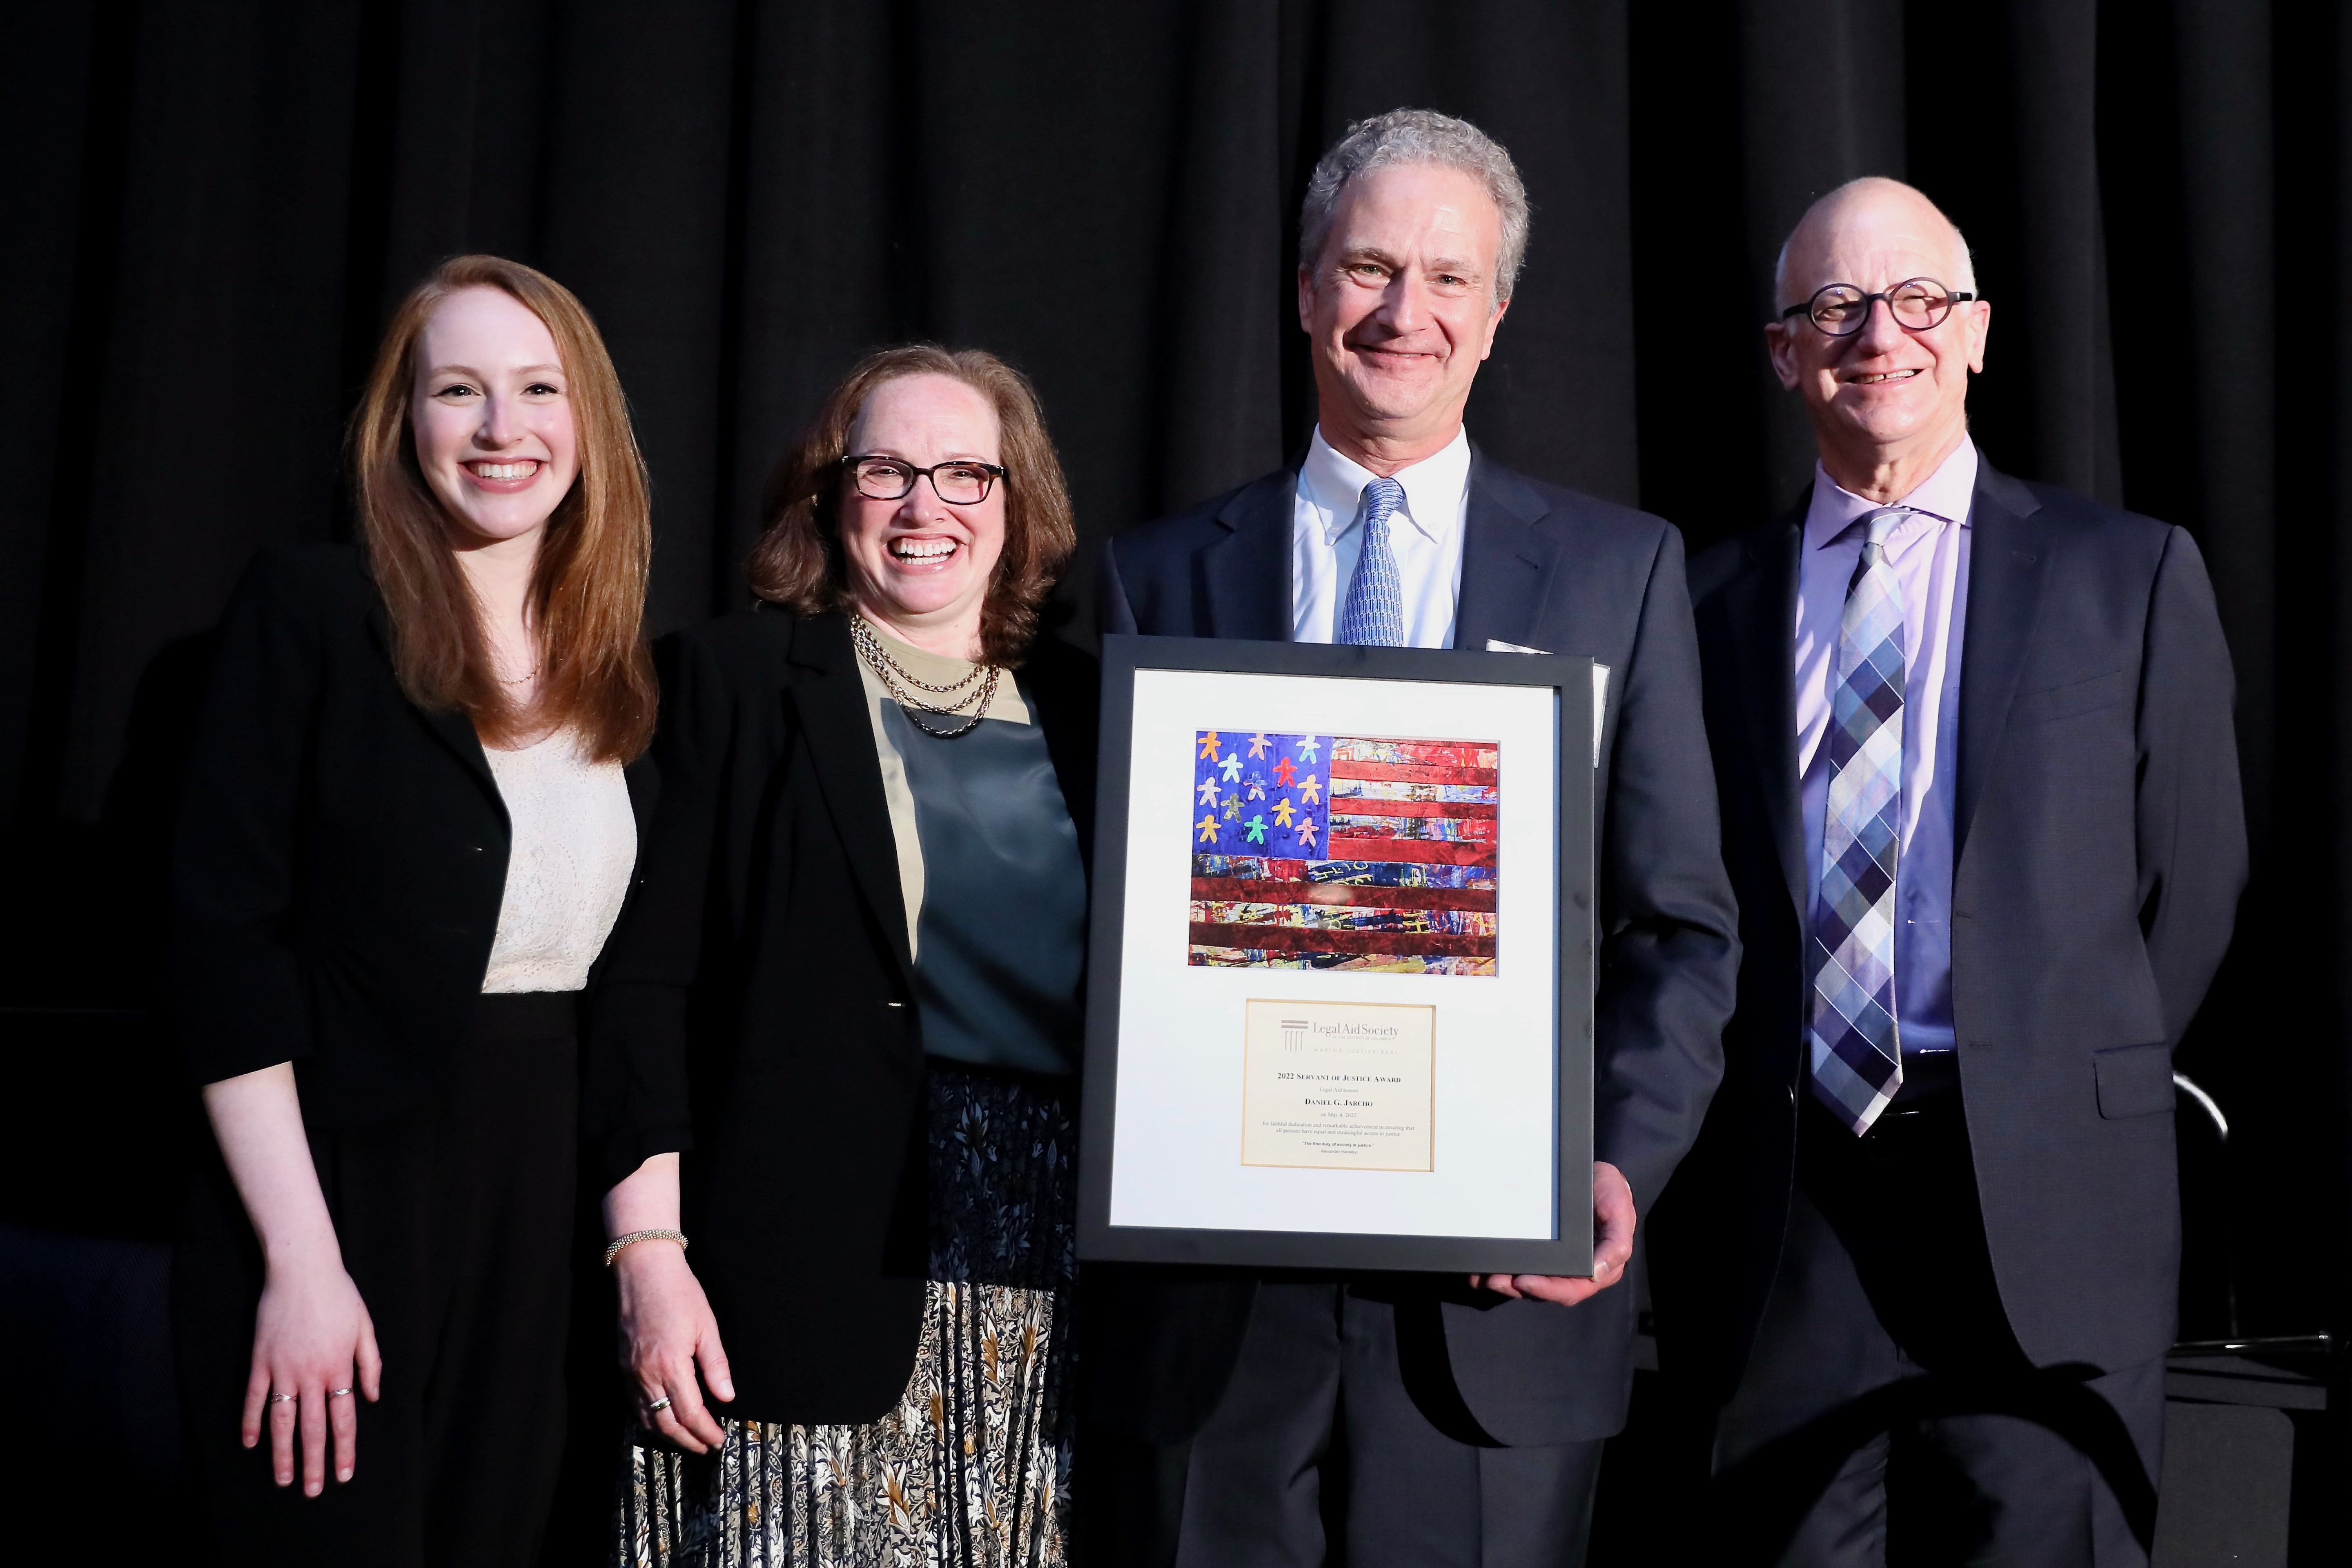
1209 746
1308 748
1258 743
1208 792
1282 814
1308 790
1257 829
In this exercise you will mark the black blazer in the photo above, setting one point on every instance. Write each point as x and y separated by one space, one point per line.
757 1010
1547 568
341 854
2099 851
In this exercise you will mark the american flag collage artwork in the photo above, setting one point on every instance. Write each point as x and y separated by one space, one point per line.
1343 852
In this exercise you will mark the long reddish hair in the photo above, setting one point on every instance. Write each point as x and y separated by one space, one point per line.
588 587
797 561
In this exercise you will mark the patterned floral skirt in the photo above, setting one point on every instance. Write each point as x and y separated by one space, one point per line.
972 1469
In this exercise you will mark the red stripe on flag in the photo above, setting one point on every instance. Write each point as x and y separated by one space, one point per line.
1427 754
1241 889
1403 772
1276 939
1357 805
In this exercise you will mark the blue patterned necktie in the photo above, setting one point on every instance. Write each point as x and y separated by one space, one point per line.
1857 1057
1374 613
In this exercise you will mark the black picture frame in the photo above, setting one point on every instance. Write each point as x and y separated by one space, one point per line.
1568 1252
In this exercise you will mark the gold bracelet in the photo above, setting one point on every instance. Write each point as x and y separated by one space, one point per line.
622 1243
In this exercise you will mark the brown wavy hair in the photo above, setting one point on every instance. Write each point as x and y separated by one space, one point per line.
797 562
588 587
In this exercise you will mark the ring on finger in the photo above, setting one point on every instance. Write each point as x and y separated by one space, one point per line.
284 1398
658 1406
338 1393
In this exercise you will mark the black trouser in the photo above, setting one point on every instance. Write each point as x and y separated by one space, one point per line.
1887 1414
1319 1438
454 1220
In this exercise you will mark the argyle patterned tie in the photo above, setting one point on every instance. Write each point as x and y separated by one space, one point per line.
1857 1058
1374 613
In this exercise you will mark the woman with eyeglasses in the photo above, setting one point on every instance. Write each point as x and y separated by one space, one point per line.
408 825
836 1051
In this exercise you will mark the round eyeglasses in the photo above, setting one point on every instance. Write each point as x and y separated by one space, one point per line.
1839 309
962 482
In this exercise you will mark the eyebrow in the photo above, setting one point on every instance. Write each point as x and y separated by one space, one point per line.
898 455
1440 264
470 370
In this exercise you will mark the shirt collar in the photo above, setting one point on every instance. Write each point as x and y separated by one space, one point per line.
1945 495
1433 487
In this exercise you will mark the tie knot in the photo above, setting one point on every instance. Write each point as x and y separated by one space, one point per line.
1381 499
1885 521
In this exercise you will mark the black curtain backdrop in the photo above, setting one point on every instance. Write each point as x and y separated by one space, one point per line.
206 211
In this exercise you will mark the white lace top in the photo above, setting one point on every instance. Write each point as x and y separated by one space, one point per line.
575 843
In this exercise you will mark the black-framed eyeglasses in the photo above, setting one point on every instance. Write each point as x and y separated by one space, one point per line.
1839 309
962 482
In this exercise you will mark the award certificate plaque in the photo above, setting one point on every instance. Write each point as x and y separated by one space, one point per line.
1339 1011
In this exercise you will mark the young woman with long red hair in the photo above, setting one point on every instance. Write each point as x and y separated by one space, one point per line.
408 828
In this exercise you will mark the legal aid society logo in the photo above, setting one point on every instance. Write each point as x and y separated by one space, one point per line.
1297 1032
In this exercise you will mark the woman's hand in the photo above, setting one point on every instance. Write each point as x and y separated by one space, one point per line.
313 1347
311 1340
667 1327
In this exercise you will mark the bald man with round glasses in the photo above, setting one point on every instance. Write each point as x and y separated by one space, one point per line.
1973 748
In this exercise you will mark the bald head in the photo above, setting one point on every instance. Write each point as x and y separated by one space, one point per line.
1870 216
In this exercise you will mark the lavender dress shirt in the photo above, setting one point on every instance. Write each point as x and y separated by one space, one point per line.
1929 552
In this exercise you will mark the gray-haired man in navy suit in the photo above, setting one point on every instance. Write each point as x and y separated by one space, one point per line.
1240 1419
1973 739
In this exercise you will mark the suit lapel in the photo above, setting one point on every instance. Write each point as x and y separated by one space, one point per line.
2008 558
1506 565
1762 604
1246 575
831 700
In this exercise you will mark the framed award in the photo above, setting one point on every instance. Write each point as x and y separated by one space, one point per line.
1339 1010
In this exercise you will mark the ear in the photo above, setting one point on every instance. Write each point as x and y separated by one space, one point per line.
1979 324
1494 322
1781 343
1306 300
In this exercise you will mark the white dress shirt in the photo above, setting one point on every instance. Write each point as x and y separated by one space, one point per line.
1426 534
1929 553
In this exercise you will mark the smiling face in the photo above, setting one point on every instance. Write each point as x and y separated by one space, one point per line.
1884 399
1402 310
491 417
918 567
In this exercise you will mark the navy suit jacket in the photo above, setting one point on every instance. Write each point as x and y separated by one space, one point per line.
2099 849
1547 568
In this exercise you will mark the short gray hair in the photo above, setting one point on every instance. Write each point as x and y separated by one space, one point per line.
1418 136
